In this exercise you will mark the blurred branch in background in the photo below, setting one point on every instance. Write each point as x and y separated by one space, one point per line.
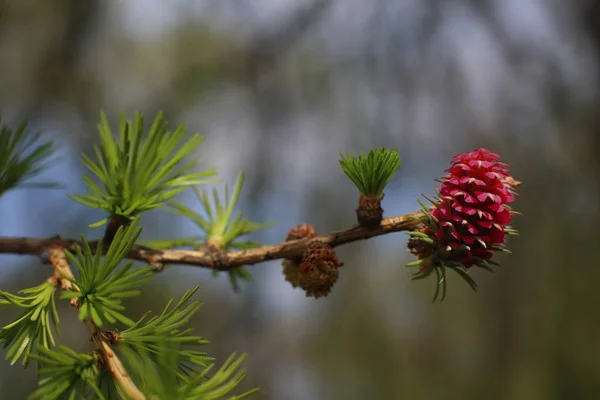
52 52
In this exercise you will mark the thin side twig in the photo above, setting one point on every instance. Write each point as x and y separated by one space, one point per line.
61 268
114 364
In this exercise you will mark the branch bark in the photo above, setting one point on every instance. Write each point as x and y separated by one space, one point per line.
224 260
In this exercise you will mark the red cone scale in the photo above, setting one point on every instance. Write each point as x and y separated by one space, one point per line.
473 209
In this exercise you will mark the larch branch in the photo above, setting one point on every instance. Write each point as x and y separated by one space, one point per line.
61 268
224 260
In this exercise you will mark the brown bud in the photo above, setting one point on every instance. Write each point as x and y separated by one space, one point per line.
213 245
301 232
369 212
418 247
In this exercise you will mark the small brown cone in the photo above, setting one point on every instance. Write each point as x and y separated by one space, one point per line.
319 270
291 267
291 271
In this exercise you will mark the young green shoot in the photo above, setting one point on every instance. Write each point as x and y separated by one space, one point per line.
66 374
158 351
150 334
102 284
218 225
161 380
34 327
372 172
139 172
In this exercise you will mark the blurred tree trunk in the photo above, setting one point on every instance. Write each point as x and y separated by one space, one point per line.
590 16
58 76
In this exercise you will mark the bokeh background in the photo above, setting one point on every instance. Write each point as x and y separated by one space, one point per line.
279 88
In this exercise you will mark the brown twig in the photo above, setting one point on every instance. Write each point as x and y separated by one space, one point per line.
60 265
62 270
225 260
114 364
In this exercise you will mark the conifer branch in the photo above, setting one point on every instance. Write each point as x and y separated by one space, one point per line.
62 270
221 260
